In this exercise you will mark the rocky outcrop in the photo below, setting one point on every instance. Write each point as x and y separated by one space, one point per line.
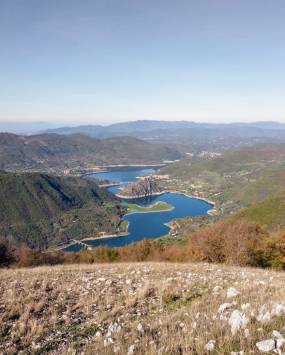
145 187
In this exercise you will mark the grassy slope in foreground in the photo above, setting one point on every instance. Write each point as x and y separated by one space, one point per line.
159 206
103 308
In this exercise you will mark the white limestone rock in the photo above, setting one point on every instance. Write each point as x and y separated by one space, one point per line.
210 346
266 345
224 306
237 321
232 292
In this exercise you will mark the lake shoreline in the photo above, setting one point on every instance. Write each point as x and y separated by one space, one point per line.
165 192
107 236
196 197
139 196
82 241
93 242
108 168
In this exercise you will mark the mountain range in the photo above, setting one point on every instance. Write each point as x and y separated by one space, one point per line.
131 127
187 136
198 136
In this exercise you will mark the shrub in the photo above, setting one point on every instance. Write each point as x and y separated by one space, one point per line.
273 251
235 243
28 257
7 252
141 251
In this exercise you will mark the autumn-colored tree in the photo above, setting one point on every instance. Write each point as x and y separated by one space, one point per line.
238 243
273 251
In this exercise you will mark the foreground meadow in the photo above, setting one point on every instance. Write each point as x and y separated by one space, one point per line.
143 308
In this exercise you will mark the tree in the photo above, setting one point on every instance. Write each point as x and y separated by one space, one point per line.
7 253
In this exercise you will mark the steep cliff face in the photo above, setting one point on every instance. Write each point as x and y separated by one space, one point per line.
144 187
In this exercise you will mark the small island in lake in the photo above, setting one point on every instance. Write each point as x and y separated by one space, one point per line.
159 206
145 187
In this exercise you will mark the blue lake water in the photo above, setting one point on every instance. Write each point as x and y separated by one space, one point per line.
152 225
148 225
123 176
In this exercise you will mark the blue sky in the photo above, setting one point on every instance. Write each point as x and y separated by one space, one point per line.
90 61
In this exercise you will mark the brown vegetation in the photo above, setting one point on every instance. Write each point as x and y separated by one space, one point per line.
7 252
237 243
145 308
242 243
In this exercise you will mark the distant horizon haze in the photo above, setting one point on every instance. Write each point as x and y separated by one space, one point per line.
61 123
38 126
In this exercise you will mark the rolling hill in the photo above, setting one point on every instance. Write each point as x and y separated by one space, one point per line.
235 179
46 151
269 213
41 210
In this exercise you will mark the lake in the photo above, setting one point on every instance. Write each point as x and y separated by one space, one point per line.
123 176
149 225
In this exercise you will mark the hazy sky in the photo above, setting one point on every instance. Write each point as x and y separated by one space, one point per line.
111 60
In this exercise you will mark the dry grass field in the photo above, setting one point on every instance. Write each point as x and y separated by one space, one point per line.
143 308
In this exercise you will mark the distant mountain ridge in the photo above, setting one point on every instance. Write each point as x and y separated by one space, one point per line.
199 136
152 125
123 127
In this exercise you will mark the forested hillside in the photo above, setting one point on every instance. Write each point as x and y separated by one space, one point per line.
53 151
235 179
41 210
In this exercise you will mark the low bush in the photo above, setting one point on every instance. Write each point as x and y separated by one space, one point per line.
273 251
28 257
7 252
240 243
